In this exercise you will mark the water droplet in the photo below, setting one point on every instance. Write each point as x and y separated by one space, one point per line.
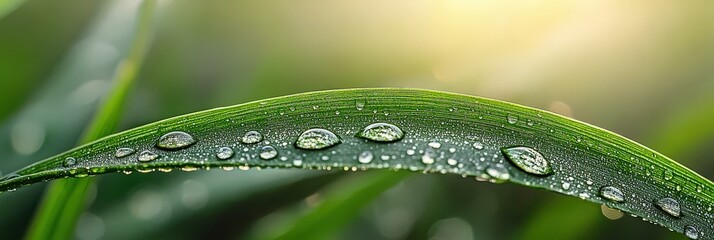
175 140
297 162
429 156
365 157
452 161
435 145
691 232
224 153
612 193
268 152
410 152
478 146
382 132
317 138
670 206
528 160
359 104
70 161
512 119
123 152
252 137
499 172
147 156
565 185
668 175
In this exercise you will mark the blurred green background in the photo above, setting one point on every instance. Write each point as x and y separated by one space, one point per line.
643 69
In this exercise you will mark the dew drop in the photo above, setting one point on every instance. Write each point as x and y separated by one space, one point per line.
224 153
175 140
268 152
429 156
434 145
612 193
252 137
452 161
317 138
668 175
478 145
669 206
147 156
565 185
512 119
123 152
528 160
297 162
691 232
70 161
365 157
359 104
382 132
499 172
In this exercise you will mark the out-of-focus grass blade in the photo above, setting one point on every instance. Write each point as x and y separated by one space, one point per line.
443 133
7 6
65 199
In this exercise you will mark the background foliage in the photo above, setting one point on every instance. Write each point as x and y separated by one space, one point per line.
638 68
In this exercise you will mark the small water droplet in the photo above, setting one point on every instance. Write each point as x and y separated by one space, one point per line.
669 206
429 156
410 152
268 152
365 157
699 188
382 132
678 188
691 232
297 162
565 185
147 156
359 104
317 138
123 152
70 161
498 171
478 145
512 119
528 160
435 145
224 153
252 137
452 161
668 175
612 193
175 140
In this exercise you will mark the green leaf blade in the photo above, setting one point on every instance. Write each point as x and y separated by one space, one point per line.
439 126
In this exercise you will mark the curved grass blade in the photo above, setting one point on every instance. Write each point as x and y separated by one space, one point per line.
443 133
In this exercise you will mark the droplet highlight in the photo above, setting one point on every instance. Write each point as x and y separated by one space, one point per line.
317 138
382 132
528 160
175 140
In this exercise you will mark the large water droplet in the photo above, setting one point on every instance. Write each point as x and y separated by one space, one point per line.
317 138
175 140
512 119
359 104
224 153
70 161
123 152
252 137
147 156
498 171
612 193
670 206
429 156
365 157
691 232
268 152
382 132
528 160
